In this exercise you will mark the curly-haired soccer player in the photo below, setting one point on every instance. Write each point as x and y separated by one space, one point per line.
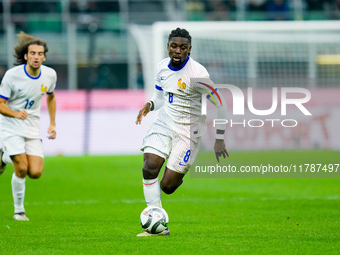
21 92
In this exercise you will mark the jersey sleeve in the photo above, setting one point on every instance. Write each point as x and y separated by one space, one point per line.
157 99
204 73
158 76
5 87
53 82
158 80
158 96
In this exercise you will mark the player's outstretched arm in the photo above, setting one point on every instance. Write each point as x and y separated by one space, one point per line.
51 106
143 112
206 86
155 103
6 111
220 149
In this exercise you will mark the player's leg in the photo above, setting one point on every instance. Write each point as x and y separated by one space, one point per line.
20 164
151 168
35 166
23 165
181 158
152 165
4 156
29 163
171 180
13 152
35 157
2 161
156 147
151 188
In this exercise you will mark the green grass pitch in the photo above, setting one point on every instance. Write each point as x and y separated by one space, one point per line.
91 205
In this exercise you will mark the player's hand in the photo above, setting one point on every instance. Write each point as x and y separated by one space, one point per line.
143 112
220 150
22 114
52 134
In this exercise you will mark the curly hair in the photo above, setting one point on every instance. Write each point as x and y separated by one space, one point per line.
179 32
24 41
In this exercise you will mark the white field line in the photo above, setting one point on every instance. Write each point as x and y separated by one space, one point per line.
177 200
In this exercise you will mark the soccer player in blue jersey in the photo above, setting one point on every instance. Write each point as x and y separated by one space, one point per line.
176 134
21 92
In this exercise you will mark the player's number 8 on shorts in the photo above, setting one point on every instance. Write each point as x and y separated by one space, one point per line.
187 155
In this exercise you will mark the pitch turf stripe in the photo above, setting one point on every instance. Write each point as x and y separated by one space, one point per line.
184 200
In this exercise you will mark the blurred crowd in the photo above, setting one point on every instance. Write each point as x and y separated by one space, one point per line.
111 17
214 9
274 9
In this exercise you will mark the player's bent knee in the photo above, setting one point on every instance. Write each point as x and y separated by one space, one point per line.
171 181
150 170
34 175
149 173
168 189
21 170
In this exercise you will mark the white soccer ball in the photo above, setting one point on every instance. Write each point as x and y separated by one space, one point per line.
154 219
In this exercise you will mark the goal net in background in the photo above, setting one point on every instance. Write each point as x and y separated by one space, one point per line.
258 54
262 55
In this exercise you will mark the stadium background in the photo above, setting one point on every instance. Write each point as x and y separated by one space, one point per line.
104 55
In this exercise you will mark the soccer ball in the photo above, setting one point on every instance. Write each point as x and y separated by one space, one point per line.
154 219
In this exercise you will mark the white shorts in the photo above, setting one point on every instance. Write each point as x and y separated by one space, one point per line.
15 145
180 150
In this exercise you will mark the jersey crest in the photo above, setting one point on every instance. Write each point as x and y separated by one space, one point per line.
181 84
43 89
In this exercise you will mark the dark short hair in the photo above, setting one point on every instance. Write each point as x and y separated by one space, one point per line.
180 32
